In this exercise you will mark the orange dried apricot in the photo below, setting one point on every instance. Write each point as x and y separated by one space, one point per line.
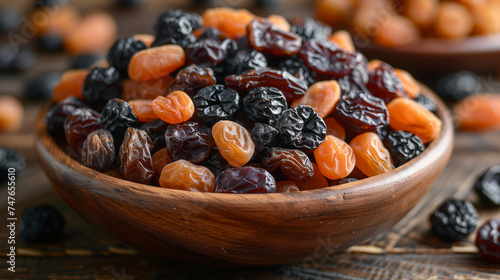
396 31
335 158
342 39
322 96
333 127
372 158
61 19
11 114
234 142
421 12
147 39
183 175
286 186
96 33
155 63
280 22
407 115
333 12
229 21
70 84
453 21
143 109
318 181
486 19
478 112
409 83
174 108
145 89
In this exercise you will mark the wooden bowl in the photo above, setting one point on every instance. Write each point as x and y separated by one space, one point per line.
251 229
430 56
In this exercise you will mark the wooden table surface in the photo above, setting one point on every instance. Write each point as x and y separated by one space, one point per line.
408 251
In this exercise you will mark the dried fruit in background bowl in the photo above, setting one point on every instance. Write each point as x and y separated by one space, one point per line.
478 112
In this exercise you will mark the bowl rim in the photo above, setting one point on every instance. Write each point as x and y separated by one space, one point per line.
43 139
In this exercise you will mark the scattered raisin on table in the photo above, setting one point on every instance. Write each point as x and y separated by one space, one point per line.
454 220
98 150
41 87
335 158
403 146
42 224
79 124
301 128
55 117
264 104
16 58
183 175
488 240
190 141
102 85
134 159
175 27
176 107
122 51
245 179
264 136
192 78
457 86
487 186
116 117
234 142
294 164
216 103
265 37
10 158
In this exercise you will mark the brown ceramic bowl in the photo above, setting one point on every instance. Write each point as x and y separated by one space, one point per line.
251 229
430 56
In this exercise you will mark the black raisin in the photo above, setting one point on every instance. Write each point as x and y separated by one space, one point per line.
40 87
42 224
403 146
216 162
308 29
245 179
84 61
122 51
295 65
242 62
176 27
209 52
216 103
10 19
101 85
50 42
14 58
457 86
301 128
487 186
156 132
264 104
10 159
426 102
116 117
264 136
454 220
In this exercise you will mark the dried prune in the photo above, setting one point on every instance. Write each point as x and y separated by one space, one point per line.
403 146
98 150
488 240
10 158
264 104
294 164
122 51
264 136
487 186
234 142
243 61
40 87
42 224
80 124
245 179
322 96
176 107
310 29
211 51
134 159
301 128
175 27
55 117
102 85
335 158
192 78
116 117
454 220
291 86
372 158
383 83
216 103
457 86
183 175
265 37
295 65
190 141
426 102
359 112
156 132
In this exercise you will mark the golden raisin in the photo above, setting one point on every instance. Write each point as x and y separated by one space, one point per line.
453 21
318 181
372 158
183 175
155 63
409 83
322 96
333 127
70 84
95 33
478 112
407 115
234 142
160 159
143 109
229 21
342 39
11 113
145 89
286 186
335 158
176 107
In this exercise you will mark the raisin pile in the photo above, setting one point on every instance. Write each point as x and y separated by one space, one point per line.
231 102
